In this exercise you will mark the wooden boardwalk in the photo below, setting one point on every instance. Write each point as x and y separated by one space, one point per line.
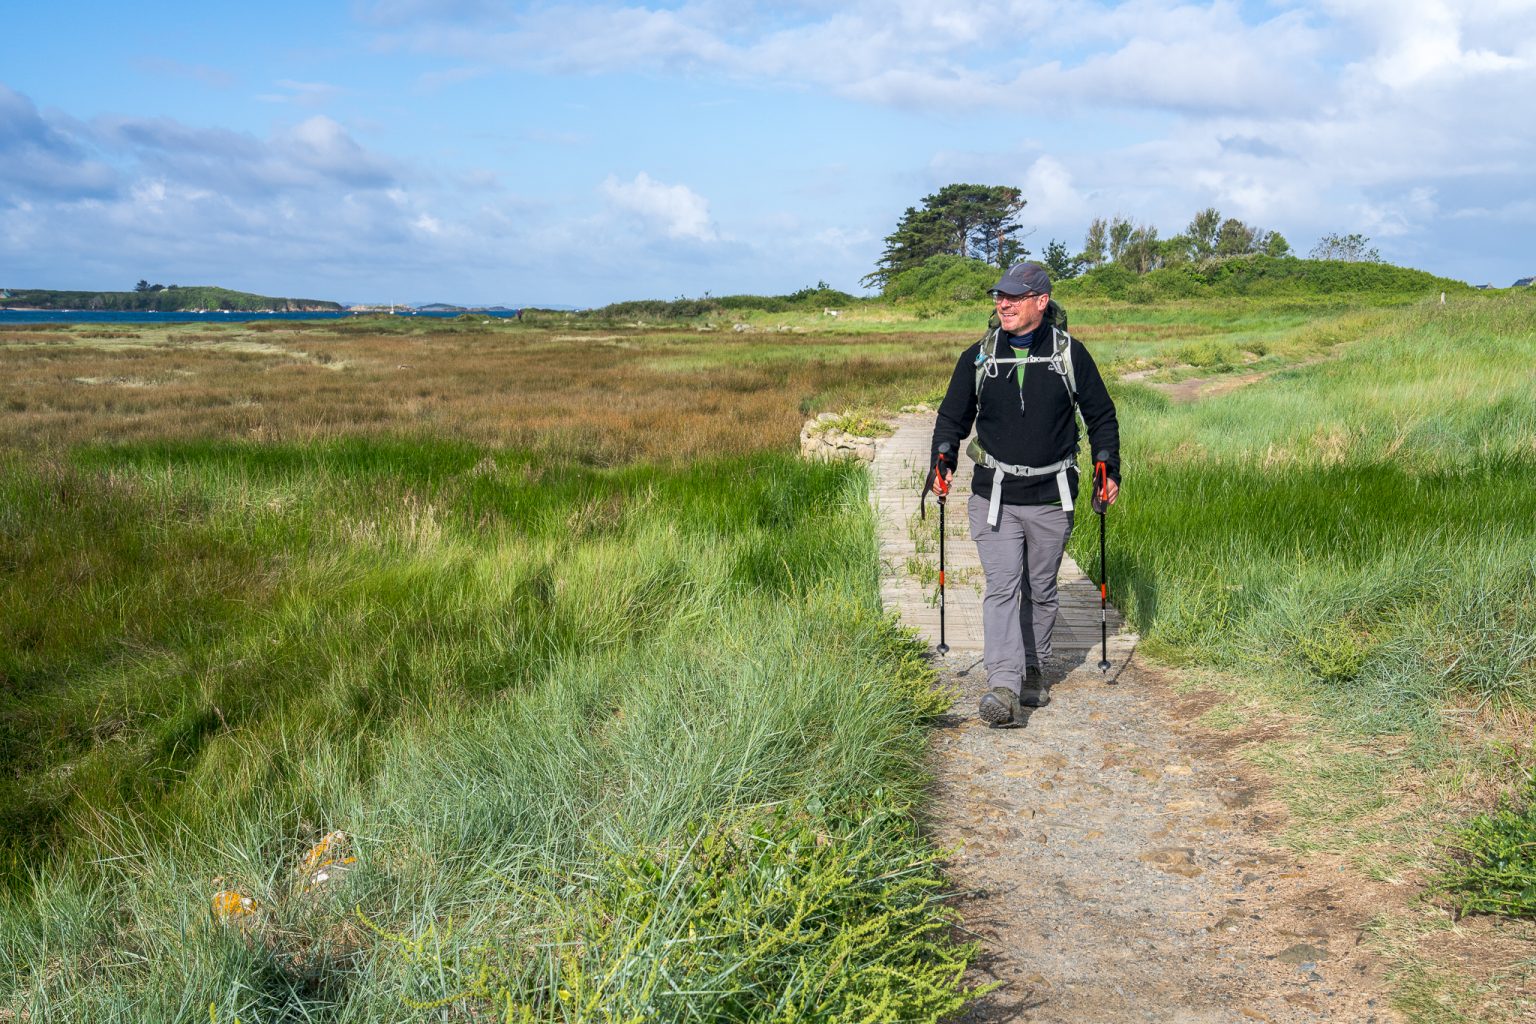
909 558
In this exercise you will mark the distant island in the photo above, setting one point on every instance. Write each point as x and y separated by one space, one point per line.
448 307
161 299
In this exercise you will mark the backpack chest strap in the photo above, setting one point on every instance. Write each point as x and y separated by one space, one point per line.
999 361
1060 360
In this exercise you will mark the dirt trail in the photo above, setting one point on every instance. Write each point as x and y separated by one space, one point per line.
1118 863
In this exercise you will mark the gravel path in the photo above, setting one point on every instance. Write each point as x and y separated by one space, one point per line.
1115 860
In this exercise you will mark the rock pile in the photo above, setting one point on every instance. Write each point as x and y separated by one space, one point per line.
819 439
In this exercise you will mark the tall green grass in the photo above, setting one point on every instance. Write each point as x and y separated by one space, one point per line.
1362 528
611 744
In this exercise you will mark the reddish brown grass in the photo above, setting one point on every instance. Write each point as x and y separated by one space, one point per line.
614 401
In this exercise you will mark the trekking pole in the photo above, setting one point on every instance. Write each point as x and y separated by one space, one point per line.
940 487
1100 503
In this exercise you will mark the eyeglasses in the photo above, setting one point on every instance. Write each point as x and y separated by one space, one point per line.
1012 300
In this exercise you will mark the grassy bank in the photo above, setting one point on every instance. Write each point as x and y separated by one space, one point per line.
1362 525
629 743
1345 546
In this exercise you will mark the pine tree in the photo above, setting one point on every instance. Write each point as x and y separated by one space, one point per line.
974 221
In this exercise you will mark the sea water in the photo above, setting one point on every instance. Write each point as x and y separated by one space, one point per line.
137 316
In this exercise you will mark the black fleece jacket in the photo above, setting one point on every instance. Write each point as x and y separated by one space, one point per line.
1040 432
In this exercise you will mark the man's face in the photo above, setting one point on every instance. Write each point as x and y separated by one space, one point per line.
1020 314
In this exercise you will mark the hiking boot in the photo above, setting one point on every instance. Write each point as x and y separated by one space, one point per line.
1034 694
999 706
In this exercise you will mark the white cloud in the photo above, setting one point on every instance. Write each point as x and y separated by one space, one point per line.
1052 196
1520 211
1398 215
200 204
308 94
48 156
317 153
322 146
1417 41
842 240
679 211
924 54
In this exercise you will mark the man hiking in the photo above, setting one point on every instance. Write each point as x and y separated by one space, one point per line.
1022 386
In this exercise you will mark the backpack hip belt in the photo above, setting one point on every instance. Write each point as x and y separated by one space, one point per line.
1000 469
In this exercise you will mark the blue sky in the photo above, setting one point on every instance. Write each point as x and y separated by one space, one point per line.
483 152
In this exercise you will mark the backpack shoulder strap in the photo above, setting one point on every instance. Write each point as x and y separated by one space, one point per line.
1063 343
988 350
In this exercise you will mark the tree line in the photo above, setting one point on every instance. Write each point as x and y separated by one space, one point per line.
982 222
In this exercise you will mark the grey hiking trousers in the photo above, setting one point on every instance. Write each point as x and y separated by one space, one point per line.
1020 557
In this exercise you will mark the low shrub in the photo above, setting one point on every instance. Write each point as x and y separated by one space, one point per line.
1255 276
1495 860
805 300
762 917
941 282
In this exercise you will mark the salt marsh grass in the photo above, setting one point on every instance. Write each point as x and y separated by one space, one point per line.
600 397
593 672
557 632
501 676
1363 524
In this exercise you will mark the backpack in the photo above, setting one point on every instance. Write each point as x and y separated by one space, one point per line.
1060 361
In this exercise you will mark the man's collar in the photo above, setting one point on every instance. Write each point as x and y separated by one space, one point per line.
1028 337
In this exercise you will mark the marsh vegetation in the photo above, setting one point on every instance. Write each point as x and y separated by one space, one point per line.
548 618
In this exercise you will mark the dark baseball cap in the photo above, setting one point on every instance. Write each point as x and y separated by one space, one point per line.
1022 279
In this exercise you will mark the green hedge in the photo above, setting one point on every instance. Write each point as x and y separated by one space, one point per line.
682 308
943 279
1258 276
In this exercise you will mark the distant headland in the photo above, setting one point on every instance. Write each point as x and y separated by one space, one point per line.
161 299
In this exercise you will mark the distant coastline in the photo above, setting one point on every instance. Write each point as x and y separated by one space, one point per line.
15 315
161 299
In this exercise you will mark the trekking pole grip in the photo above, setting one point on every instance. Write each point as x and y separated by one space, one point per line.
1100 498
935 481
